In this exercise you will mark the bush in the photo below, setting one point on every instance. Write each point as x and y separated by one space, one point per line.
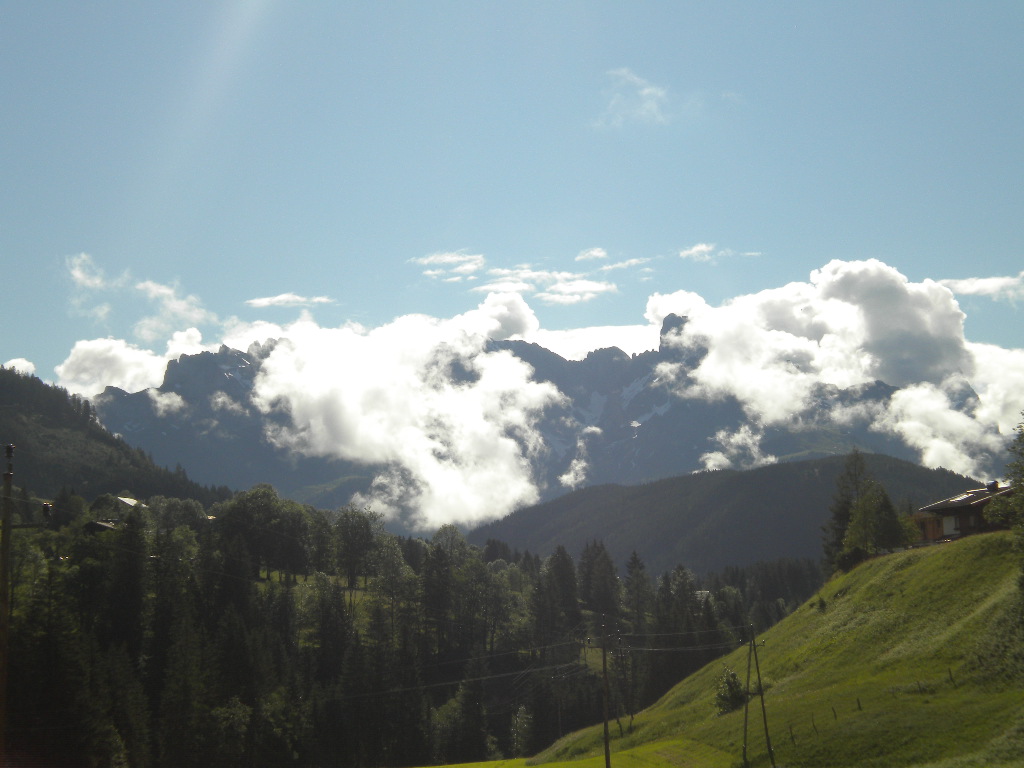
730 694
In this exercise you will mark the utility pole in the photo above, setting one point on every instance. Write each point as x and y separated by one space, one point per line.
752 656
746 698
605 696
5 601
764 712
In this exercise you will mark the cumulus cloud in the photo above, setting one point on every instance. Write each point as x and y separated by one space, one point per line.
288 300
501 316
21 365
946 436
998 378
453 423
94 364
851 324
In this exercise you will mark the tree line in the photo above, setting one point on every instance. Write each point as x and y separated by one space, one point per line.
260 630
60 442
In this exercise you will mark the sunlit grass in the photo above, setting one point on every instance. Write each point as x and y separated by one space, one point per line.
891 665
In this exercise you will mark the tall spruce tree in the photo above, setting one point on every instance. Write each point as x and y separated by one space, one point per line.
850 486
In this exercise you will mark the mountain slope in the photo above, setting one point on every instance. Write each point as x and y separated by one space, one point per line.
711 520
901 662
243 418
58 443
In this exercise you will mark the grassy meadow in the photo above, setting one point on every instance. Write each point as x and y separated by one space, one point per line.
908 660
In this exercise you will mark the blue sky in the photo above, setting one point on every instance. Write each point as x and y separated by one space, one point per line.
238 151
180 174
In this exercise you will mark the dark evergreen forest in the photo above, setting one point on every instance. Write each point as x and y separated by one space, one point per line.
263 631
203 628
60 443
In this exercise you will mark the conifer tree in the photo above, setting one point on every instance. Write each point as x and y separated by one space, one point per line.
850 486
639 592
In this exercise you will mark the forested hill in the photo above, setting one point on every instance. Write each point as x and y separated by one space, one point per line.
60 444
711 520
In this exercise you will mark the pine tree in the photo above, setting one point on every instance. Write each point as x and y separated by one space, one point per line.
639 592
850 486
874 527
1009 509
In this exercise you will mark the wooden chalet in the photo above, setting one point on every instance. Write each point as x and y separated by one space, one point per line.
959 515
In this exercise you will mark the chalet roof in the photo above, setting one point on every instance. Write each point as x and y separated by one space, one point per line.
969 500
96 526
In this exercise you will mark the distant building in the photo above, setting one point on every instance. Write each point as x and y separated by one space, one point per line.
124 505
959 515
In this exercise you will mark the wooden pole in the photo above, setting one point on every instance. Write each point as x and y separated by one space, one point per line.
746 697
5 601
605 696
764 712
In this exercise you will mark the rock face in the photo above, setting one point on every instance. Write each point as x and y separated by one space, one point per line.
202 417
618 416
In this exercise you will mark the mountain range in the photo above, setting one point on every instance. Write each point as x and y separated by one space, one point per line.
616 421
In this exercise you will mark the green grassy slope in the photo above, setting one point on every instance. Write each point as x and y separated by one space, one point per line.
899 663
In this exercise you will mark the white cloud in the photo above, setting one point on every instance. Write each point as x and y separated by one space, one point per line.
709 253
87 275
999 381
166 403
701 252
737 450
96 363
221 401
1010 288
501 316
682 303
21 365
911 332
288 300
576 474
627 264
574 291
851 324
451 266
89 279
592 253
547 286
924 416
173 311
454 424
632 99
